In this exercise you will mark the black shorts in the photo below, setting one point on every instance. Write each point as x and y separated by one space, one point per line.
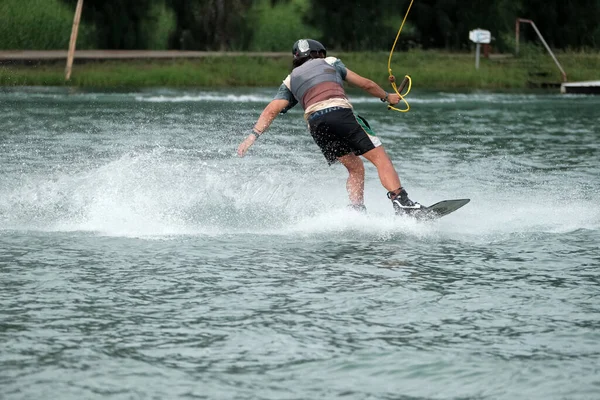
341 132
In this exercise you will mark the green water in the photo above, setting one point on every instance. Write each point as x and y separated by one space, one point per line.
141 258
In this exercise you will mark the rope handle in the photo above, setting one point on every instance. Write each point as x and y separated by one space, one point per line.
407 80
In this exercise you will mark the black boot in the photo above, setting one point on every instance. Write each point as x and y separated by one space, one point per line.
402 204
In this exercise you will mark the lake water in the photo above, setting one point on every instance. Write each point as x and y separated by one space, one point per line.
141 258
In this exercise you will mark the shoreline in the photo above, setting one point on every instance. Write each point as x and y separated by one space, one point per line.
38 56
432 70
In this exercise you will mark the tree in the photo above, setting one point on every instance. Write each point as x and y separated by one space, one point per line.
211 24
355 26
339 24
128 24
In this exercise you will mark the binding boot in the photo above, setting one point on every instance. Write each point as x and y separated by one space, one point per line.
402 204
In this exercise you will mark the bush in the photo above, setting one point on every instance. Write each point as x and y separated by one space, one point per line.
39 25
158 27
277 27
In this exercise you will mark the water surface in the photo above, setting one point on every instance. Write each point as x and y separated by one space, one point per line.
141 258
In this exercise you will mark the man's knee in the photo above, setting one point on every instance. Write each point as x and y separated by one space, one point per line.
356 167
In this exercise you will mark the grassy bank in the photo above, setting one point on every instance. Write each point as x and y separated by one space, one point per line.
429 70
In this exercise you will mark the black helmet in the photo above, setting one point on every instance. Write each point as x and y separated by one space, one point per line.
304 47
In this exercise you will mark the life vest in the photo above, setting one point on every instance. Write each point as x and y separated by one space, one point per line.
316 80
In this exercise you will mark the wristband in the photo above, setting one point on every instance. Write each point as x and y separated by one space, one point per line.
385 99
255 133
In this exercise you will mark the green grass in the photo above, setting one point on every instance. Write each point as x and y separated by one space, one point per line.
428 69
40 25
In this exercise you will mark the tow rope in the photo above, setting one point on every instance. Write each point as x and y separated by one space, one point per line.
392 78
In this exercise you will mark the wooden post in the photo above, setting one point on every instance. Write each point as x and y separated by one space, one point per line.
487 49
517 34
73 39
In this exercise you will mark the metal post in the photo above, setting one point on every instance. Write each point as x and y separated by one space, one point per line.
564 75
477 52
519 20
73 40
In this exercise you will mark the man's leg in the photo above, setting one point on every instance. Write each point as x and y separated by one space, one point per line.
355 185
387 173
390 180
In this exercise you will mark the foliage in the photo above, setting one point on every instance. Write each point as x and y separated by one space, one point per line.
40 25
446 23
359 26
129 24
271 25
158 26
277 27
212 24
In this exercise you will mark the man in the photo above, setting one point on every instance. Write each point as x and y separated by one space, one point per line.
316 82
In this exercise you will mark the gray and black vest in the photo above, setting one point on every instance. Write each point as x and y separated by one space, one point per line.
310 74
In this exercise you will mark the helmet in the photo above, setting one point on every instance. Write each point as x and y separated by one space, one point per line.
304 47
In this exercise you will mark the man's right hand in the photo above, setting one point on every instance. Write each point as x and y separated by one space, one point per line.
393 98
245 145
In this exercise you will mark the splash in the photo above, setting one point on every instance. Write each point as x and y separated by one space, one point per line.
161 193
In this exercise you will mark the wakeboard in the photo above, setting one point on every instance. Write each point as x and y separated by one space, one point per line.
439 209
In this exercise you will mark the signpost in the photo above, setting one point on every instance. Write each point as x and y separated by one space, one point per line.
479 36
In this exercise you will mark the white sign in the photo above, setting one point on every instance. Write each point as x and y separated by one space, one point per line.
480 36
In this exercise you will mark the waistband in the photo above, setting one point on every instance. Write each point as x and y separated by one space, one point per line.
324 111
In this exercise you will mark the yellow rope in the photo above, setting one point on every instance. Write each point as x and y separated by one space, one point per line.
391 78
